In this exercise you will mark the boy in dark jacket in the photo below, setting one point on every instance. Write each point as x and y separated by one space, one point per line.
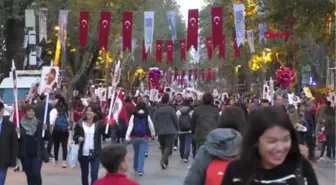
113 159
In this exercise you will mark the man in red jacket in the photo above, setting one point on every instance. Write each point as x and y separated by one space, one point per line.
113 159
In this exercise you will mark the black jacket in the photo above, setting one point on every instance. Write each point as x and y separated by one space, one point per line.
25 145
99 131
8 145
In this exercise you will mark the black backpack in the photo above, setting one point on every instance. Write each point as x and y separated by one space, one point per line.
185 121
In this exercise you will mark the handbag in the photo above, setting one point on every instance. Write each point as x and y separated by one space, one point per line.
72 155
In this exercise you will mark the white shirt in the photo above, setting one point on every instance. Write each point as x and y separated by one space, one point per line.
88 139
53 116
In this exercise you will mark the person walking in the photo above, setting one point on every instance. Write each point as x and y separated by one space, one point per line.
166 126
8 145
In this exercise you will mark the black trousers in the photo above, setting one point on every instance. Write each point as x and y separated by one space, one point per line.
166 143
311 146
60 138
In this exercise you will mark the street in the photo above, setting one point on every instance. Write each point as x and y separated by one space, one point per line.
153 175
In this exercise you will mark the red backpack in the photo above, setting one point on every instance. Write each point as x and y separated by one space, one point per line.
215 172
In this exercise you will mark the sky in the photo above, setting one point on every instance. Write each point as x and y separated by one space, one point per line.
189 4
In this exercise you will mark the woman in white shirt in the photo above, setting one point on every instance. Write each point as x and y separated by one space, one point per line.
140 130
87 134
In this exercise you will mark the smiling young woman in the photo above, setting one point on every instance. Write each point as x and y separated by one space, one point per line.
270 153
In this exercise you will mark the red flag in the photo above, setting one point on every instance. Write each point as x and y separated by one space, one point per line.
209 75
158 53
83 28
127 31
217 25
235 46
144 53
169 45
192 33
203 74
190 72
222 48
175 74
196 74
170 76
105 18
182 77
209 47
183 50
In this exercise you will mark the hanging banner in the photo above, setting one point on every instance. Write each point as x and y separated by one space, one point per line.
149 30
192 33
190 73
171 19
127 30
144 52
209 47
217 25
158 53
182 50
203 74
196 54
196 74
262 27
43 16
63 24
222 48
239 20
250 40
182 77
170 51
235 46
134 42
83 28
30 19
209 75
175 74
104 30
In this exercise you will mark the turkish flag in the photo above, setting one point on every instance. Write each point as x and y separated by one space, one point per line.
158 53
83 28
127 31
196 74
217 25
105 18
203 74
222 48
183 50
170 50
190 73
209 75
192 33
209 47
235 46
175 74
170 76
182 77
144 53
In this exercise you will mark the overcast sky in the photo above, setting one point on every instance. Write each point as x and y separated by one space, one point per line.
190 4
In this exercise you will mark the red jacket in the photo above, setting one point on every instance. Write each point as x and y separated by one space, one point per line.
115 179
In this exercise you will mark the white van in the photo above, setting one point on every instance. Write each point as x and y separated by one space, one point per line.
25 79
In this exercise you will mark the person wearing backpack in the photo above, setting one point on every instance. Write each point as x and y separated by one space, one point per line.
184 114
59 120
139 131
221 146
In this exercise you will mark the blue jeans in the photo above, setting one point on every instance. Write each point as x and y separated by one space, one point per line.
94 163
140 146
32 168
185 145
3 174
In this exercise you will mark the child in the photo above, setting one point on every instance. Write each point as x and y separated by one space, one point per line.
113 159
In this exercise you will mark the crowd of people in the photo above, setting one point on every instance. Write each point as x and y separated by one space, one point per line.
239 141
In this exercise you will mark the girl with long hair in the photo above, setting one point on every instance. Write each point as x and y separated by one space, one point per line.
270 153
87 133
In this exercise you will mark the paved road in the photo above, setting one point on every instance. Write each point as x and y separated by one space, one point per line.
153 174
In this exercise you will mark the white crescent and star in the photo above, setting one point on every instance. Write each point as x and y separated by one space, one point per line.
182 45
104 23
158 47
209 42
169 47
216 20
127 24
193 21
84 23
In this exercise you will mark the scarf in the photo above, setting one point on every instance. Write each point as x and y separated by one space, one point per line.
29 125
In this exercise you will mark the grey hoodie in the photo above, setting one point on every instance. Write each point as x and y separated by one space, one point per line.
221 143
